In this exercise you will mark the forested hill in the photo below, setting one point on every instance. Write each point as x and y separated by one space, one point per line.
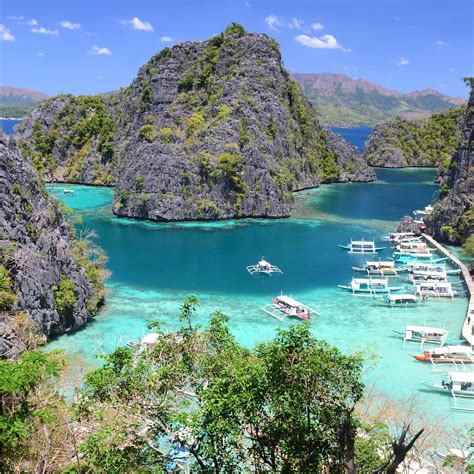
341 100
16 102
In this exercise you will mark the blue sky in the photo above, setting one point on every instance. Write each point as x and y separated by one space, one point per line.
93 46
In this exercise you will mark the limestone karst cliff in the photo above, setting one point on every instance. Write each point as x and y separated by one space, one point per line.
207 130
46 277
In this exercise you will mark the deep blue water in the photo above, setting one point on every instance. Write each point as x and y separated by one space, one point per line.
356 136
8 125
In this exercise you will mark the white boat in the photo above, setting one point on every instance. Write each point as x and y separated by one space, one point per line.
369 286
68 191
411 245
361 246
409 259
284 306
402 301
414 266
434 288
263 267
425 335
423 212
416 253
428 275
378 268
460 384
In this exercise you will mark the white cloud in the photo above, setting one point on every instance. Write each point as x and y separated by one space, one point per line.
32 22
323 42
247 4
440 43
273 22
99 78
138 24
69 25
165 39
317 26
101 51
43 31
16 18
40 54
295 23
5 34
402 62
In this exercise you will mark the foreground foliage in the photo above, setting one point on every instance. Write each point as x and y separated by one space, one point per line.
287 405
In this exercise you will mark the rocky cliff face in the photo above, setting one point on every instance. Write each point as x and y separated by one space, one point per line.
452 219
217 130
71 139
400 143
207 130
44 272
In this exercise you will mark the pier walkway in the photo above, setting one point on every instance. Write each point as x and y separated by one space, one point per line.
468 326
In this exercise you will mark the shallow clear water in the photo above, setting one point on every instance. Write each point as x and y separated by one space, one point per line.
155 266
356 136
8 125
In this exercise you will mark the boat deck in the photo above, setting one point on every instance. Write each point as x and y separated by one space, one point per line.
468 326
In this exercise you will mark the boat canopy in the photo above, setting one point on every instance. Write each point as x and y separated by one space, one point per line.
453 350
289 301
435 285
363 243
426 329
462 377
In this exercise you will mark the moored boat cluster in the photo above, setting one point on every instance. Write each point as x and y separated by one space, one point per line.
429 278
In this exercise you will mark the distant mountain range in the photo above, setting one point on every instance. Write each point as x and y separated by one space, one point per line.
16 102
341 100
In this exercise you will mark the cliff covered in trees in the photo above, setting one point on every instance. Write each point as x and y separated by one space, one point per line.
400 143
207 130
47 282
452 219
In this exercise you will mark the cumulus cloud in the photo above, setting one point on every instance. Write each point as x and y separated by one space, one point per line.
68 25
5 34
296 23
273 22
321 42
165 39
40 54
402 62
440 43
317 26
138 24
101 51
43 31
247 4
32 22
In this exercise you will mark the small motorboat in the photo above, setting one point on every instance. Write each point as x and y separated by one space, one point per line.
447 355
362 247
263 267
285 306
369 286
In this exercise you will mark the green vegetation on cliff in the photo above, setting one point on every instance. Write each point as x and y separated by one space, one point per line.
423 142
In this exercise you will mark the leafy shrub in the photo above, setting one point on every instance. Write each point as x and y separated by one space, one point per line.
7 295
234 29
166 134
147 132
65 295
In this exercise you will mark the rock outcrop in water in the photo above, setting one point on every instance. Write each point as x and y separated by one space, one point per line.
452 219
45 274
207 130
400 143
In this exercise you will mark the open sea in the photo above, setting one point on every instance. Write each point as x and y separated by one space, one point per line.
155 266
8 125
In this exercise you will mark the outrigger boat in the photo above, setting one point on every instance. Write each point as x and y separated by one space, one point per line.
402 301
425 335
434 288
430 267
285 306
406 259
369 286
460 384
422 276
422 253
362 246
378 268
448 355
423 212
68 191
263 267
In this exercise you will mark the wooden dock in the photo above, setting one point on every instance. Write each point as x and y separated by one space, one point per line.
468 326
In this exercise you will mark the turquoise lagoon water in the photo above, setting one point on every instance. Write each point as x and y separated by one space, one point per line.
155 266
